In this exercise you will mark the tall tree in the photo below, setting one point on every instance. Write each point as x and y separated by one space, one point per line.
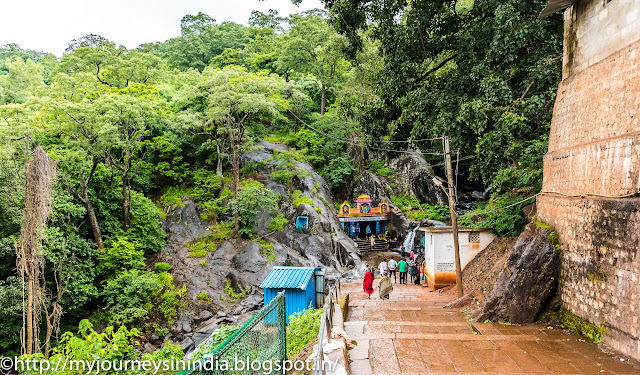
238 103
313 47
484 72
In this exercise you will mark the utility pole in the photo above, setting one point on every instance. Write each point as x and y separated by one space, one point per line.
454 215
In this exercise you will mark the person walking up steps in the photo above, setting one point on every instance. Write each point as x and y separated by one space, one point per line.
367 285
392 269
402 267
383 267
385 287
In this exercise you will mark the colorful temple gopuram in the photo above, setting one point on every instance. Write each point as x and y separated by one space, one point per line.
364 219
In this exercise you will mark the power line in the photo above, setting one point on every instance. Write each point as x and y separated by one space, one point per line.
355 144
501 208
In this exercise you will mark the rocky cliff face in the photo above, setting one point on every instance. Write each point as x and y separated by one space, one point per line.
242 263
411 175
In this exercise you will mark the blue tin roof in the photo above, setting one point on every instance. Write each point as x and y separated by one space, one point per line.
288 277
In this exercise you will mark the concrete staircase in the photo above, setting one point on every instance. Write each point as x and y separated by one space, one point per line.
411 333
365 245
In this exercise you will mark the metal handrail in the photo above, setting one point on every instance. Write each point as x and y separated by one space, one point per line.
326 324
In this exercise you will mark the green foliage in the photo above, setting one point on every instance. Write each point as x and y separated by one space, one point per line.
435 212
121 256
162 267
145 227
204 297
168 296
232 295
405 202
173 197
129 296
507 222
303 199
278 223
253 198
218 336
339 170
109 345
286 170
10 315
268 249
377 167
581 326
462 73
301 330
203 262
252 167
217 233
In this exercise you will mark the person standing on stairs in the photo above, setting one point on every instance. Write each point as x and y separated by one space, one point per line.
402 268
357 229
392 269
373 241
385 287
367 285
383 267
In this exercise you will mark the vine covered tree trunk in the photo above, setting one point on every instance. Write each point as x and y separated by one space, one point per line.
40 178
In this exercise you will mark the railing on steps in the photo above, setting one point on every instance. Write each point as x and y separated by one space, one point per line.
326 324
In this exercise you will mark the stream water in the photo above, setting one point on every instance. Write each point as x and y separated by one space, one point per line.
408 243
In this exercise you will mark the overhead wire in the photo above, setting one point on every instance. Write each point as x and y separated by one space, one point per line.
355 144
552 192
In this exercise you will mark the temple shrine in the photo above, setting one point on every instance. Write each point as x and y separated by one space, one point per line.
364 220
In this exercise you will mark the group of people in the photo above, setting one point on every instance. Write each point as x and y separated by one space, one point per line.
356 231
413 266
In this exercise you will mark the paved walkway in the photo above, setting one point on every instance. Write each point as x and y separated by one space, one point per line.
412 334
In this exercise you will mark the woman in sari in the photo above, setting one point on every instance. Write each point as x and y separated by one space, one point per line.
367 286
385 287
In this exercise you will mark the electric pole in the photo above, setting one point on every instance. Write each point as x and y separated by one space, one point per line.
454 215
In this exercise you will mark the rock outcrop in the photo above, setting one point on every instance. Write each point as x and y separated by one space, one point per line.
411 175
529 279
244 264
415 175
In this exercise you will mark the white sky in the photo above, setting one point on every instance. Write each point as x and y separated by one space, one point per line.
50 25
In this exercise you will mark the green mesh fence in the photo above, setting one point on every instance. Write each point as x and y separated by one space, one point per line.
260 344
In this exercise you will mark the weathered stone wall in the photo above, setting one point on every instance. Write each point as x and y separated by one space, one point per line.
594 149
600 240
594 29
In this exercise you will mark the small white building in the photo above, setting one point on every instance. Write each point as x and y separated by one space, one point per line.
439 255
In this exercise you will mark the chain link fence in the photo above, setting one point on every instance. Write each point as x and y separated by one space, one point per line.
260 344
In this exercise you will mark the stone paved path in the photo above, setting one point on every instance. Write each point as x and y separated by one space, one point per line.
412 334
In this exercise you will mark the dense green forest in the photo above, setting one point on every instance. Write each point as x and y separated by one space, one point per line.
133 130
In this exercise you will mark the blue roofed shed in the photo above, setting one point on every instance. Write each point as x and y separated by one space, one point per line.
299 285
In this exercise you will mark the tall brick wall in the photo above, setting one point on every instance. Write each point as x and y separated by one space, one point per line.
594 148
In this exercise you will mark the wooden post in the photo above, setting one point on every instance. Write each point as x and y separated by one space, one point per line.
454 216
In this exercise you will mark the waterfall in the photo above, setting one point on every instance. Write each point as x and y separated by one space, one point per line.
410 238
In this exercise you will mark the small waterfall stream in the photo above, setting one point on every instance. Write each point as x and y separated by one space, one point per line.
409 240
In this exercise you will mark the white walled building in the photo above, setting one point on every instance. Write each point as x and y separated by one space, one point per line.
439 255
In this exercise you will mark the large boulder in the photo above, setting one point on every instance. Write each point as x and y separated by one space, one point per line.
415 175
530 277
